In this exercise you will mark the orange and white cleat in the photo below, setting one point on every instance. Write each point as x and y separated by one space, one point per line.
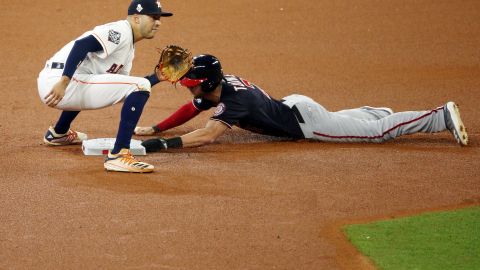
124 161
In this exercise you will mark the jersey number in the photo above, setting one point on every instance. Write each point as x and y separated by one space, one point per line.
114 68
250 86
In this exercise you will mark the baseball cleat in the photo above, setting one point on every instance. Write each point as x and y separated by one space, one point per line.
71 137
124 161
454 123
380 112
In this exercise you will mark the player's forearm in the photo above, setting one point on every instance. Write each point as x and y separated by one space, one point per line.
64 81
198 137
181 116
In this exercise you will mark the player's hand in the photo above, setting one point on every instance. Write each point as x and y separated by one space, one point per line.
144 131
57 92
155 145
160 77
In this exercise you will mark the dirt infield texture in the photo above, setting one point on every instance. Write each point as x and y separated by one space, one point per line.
250 202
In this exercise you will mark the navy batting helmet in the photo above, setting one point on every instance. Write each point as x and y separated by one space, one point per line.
205 71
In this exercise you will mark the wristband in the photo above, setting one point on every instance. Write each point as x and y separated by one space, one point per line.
175 142
158 144
153 79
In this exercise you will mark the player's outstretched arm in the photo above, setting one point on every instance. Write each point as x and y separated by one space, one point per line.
199 137
181 116
206 135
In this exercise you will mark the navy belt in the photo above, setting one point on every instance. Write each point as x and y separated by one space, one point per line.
297 113
56 65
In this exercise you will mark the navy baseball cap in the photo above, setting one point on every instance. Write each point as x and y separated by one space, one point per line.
147 7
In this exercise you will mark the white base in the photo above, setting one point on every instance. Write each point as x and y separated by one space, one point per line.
100 146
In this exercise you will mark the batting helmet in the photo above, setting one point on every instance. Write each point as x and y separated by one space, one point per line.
205 71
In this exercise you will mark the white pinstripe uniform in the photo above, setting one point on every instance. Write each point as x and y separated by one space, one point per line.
356 126
102 78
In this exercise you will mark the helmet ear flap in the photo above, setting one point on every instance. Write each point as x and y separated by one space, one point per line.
211 84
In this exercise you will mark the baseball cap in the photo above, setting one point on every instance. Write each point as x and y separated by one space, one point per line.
147 7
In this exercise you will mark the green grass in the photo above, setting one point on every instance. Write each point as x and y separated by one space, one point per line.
439 240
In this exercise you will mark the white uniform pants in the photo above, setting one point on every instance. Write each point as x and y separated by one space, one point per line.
357 126
90 91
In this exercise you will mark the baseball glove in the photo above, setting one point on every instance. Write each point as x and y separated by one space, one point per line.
174 62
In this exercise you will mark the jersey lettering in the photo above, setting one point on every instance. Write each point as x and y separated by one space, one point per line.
236 83
114 69
247 83
242 84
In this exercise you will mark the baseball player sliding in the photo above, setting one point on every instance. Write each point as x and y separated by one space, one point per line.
241 103
92 72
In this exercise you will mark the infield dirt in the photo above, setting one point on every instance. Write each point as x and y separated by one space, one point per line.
249 202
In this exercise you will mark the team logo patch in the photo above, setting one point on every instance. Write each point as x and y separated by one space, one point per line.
139 8
114 36
220 109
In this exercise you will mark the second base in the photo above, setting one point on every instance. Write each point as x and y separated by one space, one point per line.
101 146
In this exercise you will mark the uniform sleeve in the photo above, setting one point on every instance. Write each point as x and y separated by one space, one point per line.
79 50
111 36
230 112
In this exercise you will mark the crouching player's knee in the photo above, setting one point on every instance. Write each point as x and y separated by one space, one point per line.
140 86
144 85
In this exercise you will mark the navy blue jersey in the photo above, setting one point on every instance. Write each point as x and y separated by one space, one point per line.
247 106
